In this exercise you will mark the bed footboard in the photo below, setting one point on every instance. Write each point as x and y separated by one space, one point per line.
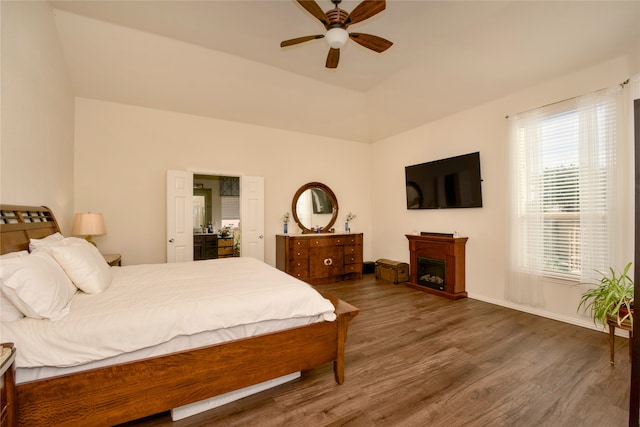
120 393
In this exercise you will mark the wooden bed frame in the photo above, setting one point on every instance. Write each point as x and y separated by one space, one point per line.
128 391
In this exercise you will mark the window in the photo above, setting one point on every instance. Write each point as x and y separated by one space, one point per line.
230 207
564 187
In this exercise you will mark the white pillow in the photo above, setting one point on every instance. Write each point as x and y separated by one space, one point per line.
37 286
10 255
8 311
45 241
82 262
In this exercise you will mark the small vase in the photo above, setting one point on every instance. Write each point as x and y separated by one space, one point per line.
286 228
346 227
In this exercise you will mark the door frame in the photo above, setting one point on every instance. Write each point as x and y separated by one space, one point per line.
213 172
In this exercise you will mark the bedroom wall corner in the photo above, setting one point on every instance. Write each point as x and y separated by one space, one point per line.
37 112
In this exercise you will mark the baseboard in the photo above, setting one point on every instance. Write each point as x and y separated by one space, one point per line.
542 313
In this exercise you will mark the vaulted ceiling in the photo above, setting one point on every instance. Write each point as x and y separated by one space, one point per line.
222 59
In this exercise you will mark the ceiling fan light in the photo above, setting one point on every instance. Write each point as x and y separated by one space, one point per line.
336 37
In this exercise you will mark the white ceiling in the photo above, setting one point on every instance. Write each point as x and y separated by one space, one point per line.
222 58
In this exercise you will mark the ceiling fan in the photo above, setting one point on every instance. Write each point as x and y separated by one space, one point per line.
336 21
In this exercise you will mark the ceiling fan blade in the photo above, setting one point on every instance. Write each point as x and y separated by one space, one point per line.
374 43
297 40
365 10
332 58
312 7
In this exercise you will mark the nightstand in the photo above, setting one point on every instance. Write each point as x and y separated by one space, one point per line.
8 408
114 260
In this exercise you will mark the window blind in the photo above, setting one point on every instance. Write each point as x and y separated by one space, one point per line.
230 207
565 161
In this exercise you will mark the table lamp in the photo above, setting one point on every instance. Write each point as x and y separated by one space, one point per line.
88 224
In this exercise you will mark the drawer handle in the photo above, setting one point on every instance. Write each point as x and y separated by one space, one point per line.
328 261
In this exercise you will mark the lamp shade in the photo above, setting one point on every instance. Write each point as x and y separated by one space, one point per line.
336 37
88 224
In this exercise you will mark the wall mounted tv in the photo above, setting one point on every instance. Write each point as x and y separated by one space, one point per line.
454 182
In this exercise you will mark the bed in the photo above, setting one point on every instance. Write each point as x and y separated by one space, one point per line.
131 389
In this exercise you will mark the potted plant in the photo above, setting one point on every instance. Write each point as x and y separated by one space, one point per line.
612 298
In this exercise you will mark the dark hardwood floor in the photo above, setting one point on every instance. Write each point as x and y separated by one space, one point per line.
414 359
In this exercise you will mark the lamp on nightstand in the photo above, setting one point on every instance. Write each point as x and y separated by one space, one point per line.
88 224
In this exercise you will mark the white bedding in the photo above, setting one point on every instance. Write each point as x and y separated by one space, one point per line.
148 305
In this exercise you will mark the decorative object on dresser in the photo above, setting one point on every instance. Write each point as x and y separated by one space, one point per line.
285 222
320 258
88 224
392 271
438 264
350 217
314 208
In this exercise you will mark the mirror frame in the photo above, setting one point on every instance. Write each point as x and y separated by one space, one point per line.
332 197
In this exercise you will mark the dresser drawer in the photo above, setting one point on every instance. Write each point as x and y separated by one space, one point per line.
299 253
352 257
353 268
299 274
352 250
299 243
225 251
355 240
225 243
299 264
324 242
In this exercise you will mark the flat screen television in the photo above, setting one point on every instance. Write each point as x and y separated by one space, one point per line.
454 182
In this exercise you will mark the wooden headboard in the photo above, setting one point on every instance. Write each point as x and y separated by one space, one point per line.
18 224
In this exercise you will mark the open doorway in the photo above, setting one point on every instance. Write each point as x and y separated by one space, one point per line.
181 229
216 216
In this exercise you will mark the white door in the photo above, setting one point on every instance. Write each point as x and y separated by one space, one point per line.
179 216
252 216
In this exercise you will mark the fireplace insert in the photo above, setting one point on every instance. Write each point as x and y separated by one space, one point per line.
431 272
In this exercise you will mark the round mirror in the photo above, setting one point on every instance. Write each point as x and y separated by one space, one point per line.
314 206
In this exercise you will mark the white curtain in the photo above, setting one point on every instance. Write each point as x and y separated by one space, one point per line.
588 136
525 231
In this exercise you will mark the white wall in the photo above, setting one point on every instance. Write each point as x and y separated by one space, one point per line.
36 161
483 129
123 152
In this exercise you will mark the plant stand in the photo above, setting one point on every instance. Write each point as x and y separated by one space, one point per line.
627 326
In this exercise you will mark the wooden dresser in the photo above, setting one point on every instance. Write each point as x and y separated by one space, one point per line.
225 247
210 246
320 258
205 246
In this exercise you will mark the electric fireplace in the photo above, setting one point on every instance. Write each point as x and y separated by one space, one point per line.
437 264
